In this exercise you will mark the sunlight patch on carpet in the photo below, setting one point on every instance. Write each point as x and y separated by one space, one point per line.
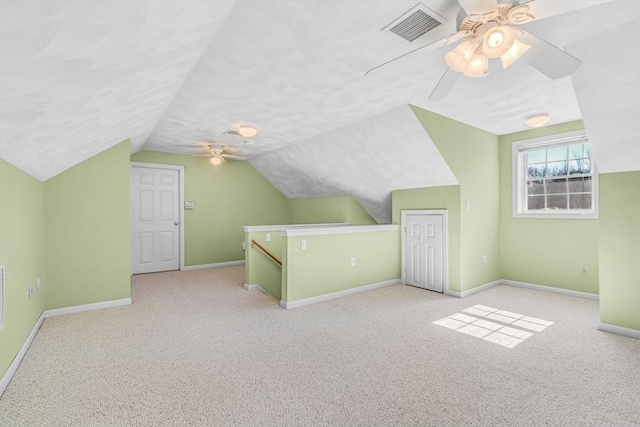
503 333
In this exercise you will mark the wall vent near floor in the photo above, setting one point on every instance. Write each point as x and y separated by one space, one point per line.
1 297
415 23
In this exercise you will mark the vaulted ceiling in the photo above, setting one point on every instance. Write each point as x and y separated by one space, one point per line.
80 77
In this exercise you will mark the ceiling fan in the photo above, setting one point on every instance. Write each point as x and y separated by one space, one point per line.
491 33
217 155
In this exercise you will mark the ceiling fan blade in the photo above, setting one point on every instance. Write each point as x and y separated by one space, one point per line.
478 7
541 9
444 86
550 60
430 46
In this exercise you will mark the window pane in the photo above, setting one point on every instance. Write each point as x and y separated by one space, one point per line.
555 186
580 201
557 202
587 150
580 185
535 203
578 166
537 156
556 169
537 170
535 187
576 151
556 154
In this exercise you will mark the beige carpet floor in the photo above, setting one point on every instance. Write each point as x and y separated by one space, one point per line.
196 348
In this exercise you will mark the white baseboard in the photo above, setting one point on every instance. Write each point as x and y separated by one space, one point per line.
551 289
87 307
339 294
620 330
254 287
472 291
6 378
214 265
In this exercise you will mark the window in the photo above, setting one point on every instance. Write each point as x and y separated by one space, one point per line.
554 177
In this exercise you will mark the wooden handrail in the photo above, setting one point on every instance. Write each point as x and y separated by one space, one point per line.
263 249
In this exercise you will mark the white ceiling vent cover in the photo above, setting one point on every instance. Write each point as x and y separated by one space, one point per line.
231 132
415 23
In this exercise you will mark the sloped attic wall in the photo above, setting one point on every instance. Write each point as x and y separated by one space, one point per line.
613 126
80 77
367 160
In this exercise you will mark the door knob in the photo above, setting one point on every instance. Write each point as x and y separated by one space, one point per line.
175 222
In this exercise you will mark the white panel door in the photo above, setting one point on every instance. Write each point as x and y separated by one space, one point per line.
424 252
155 216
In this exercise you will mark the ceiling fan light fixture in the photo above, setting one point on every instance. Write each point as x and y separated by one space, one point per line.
247 131
497 41
537 120
215 160
517 50
478 66
458 58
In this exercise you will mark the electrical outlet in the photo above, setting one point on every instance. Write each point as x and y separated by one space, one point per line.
485 259
38 283
244 245
303 245
468 206
353 261
268 237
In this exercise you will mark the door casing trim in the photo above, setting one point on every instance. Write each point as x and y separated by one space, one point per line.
180 170
445 242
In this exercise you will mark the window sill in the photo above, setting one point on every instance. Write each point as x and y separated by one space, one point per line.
556 215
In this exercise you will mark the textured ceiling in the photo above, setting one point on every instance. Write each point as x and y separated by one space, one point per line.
79 77
381 154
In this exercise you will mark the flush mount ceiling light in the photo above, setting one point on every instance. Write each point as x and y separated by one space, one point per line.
247 131
537 120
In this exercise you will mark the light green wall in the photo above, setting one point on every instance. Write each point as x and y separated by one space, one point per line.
619 249
234 196
472 155
86 237
329 209
21 252
260 269
447 198
324 267
549 252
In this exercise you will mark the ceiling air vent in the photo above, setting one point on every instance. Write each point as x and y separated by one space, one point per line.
414 23
231 132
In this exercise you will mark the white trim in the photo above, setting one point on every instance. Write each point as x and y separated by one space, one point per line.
445 243
13 367
87 307
475 290
338 294
620 330
255 286
262 228
214 265
180 170
518 178
551 289
340 230
11 370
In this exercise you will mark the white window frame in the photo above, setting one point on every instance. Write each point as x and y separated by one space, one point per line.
519 175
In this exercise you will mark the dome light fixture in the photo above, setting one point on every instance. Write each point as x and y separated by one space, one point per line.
247 131
537 120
